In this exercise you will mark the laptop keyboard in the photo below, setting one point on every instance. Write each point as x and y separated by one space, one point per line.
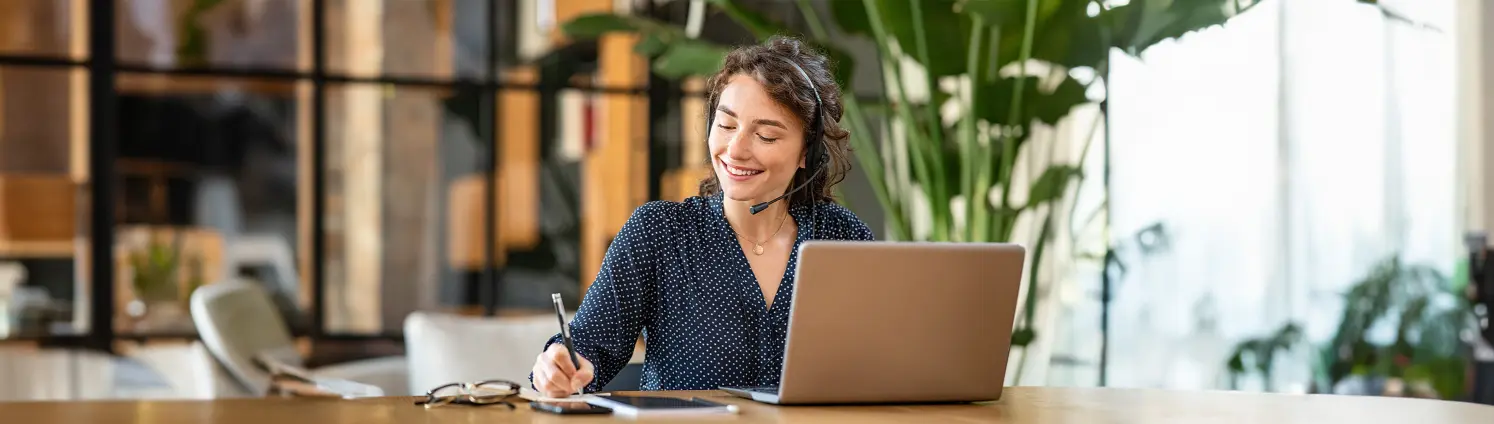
772 390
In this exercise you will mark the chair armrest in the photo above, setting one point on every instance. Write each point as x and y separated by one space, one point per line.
389 373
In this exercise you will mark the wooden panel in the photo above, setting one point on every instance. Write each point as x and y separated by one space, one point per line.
37 208
519 162
306 162
158 84
442 14
566 10
680 183
17 33
37 249
78 94
38 134
696 148
466 208
2 111
360 162
35 137
683 182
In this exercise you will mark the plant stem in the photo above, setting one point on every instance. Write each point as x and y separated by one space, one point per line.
974 204
1083 155
936 125
872 163
816 28
898 165
737 14
1009 143
1030 301
1037 261
922 50
917 141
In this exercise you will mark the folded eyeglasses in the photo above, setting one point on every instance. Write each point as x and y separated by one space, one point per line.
482 393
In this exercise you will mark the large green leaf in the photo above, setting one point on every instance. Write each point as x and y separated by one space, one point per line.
851 17
651 45
1067 36
760 26
1143 23
593 25
1008 12
1024 336
1046 107
1051 185
946 31
1051 107
687 58
673 54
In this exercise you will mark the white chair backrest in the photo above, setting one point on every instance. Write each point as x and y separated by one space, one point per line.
444 348
236 320
269 251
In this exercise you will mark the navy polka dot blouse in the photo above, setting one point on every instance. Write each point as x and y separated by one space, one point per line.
677 276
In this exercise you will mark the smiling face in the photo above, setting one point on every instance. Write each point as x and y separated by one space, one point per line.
756 144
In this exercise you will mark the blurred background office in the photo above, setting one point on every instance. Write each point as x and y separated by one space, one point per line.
1274 195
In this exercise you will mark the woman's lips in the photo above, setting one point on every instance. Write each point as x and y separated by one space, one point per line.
739 173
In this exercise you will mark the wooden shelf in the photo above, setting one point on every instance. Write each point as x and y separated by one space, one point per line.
36 249
158 84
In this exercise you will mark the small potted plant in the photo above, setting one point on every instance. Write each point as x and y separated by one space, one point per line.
156 274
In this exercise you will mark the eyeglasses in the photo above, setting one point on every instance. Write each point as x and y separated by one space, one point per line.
482 393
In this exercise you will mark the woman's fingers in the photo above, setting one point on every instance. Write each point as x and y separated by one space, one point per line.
561 358
547 379
583 376
556 376
540 377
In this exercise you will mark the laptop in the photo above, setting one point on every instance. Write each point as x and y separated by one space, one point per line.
897 322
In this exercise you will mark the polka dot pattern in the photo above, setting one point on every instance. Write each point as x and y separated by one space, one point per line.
676 275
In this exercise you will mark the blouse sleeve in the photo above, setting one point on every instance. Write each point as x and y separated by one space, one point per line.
619 302
847 226
860 232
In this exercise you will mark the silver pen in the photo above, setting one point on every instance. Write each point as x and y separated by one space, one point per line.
565 332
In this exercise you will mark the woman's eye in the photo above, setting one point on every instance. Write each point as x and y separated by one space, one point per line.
767 139
725 127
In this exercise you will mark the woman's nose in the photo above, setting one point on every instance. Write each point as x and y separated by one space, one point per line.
737 147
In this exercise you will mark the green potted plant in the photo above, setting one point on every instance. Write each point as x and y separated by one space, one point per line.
1424 357
158 272
153 271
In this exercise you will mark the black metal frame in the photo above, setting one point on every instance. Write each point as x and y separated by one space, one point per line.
102 146
103 68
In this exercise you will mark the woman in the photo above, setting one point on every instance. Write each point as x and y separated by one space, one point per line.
707 280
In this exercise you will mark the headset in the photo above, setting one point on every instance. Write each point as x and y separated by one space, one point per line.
816 157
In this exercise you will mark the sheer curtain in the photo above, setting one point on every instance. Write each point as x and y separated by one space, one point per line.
1275 160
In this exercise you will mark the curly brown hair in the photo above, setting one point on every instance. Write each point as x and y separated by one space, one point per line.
767 62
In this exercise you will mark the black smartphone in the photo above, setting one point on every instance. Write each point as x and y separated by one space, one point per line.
568 408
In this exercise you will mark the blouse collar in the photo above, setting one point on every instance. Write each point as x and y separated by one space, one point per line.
803 214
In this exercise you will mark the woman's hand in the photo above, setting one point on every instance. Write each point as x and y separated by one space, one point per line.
555 376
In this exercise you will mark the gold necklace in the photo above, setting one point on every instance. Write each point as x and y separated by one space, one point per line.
757 248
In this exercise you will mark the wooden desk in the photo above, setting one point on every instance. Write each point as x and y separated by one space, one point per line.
1020 405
